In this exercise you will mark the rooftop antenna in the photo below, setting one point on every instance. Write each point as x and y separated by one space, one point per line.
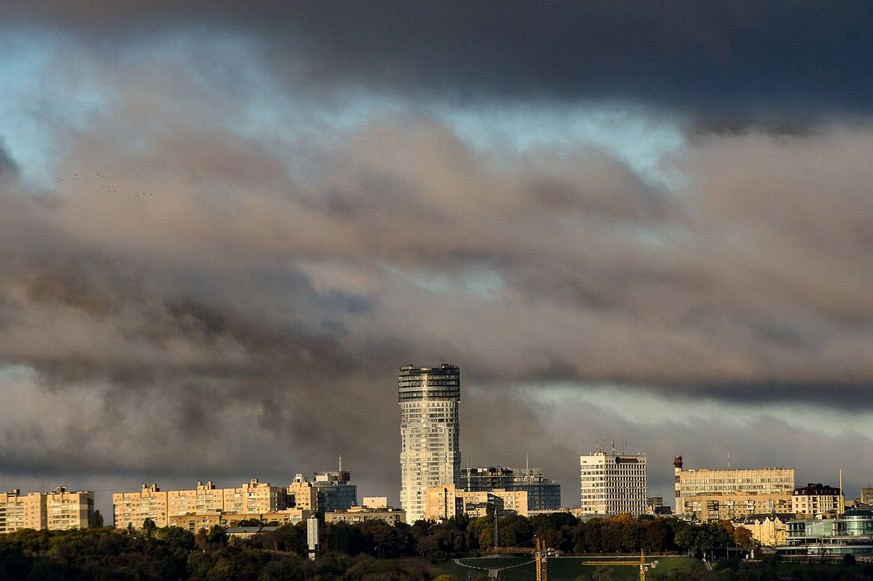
621 434
340 462
729 460
612 443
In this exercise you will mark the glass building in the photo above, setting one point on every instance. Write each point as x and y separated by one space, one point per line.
430 453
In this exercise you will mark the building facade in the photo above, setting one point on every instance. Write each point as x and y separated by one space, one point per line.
359 514
133 508
849 534
22 511
335 491
66 510
205 505
445 502
770 530
542 493
613 484
302 494
703 494
254 497
59 510
813 500
430 453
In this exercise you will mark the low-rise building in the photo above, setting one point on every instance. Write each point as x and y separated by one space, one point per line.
359 514
769 530
849 534
447 501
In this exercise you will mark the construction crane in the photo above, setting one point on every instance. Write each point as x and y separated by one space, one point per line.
620 563
542 570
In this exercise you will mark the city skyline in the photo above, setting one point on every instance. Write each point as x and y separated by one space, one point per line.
225 225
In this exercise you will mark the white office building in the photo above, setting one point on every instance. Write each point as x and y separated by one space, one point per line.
429 433
613 484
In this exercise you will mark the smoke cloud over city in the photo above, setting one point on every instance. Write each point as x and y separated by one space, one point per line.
225 225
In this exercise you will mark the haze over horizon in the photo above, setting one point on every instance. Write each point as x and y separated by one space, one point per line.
225 225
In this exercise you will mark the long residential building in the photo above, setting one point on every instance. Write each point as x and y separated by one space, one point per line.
613 484
704 495
59 510
205 505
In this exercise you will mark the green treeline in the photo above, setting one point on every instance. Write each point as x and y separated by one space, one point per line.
365 551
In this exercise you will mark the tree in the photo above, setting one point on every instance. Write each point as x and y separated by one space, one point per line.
344 538
148 528
95 521
743 537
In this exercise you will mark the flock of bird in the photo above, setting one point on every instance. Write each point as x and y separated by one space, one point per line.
104 185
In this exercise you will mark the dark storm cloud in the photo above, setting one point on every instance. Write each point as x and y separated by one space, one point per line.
234 280
776 64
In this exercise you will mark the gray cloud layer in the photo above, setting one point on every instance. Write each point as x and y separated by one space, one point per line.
195 299
777 64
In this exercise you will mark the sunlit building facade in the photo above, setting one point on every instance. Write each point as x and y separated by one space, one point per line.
814 500
430 453
59 510
704 495
445 502
133 508
66 510
613 484
542 493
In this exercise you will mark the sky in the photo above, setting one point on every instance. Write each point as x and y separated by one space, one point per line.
225 225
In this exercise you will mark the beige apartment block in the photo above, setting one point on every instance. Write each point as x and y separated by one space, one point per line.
133 508
59 510
19 511
203 506
254 498
706 494
710 507
201 500
447 501
815 500
67 510
303 494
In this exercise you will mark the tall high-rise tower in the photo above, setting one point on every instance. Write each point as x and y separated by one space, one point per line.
429 433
